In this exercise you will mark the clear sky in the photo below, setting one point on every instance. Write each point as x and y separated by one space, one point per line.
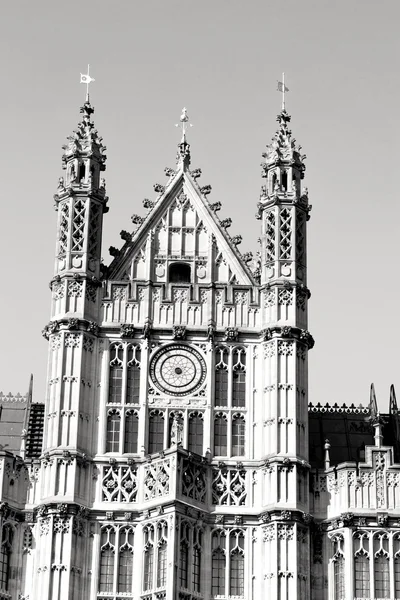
220 59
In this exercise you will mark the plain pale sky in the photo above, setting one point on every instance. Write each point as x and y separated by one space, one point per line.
221 59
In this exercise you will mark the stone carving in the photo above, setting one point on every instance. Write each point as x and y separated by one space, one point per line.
193 480
92 327
119 484
179 332
75 289
50 328
148 204
72 340
158 188
225 223
285 348
236 240
177 431
231 334
156 479
229 487
206 190
196 173
215 206
285 532
127 330
115 252
72 323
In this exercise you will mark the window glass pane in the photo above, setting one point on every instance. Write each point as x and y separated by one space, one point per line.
133 385
131 433
382 580
113 430
162 565
218 573
156 433
115 391
196 434
238 436
339 578
237 574
183 565
125 571
196 569
148 569
239 388
220 436
221 387
397 578
361 574
106 570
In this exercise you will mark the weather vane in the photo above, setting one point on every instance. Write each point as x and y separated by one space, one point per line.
282 88
184 123
85 78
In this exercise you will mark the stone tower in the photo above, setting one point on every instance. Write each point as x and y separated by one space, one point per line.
175 455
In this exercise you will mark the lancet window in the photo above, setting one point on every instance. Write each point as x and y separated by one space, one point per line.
5 553
116 561
190 553
375 566
338 567
155 556
227 563
123 392
230 395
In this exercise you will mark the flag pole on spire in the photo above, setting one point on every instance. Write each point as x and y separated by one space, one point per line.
85 78
282 88
184 123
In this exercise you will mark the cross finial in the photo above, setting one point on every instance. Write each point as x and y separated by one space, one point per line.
282 88
184 123
85 78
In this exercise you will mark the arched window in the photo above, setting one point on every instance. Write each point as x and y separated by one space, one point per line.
179 273
381 566
107 557
339 576
113 431
221 377
5 552
162 564
361 565
236 575
196 433
156 431
82 171
125 561
218 565
239 379
220 435
131 432
133 375
148 563
238 435
184 556
116 373
196 564
396 550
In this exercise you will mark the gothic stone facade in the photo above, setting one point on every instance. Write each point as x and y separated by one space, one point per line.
175 459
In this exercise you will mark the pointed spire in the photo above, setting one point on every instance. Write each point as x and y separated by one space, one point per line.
283 149
183 155
393 410
373 406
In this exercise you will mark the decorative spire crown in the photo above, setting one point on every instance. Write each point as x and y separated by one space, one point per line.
85 140
283 149
183 154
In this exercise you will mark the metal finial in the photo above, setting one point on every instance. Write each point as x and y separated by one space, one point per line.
85 78
184 123
282 88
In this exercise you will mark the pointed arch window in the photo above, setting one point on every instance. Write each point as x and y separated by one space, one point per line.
113 431
5 553
338 567
107 560
361 565
162 564
184 556
220 434
116 373
221 377
148 563
239 378
195 443
381 565
125 560
196 563
131 432
218 564
238 435
396 548
156 431
236 575
133 375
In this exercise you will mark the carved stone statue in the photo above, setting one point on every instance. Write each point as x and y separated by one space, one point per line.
177 432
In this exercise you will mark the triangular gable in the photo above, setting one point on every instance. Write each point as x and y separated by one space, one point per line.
181 226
